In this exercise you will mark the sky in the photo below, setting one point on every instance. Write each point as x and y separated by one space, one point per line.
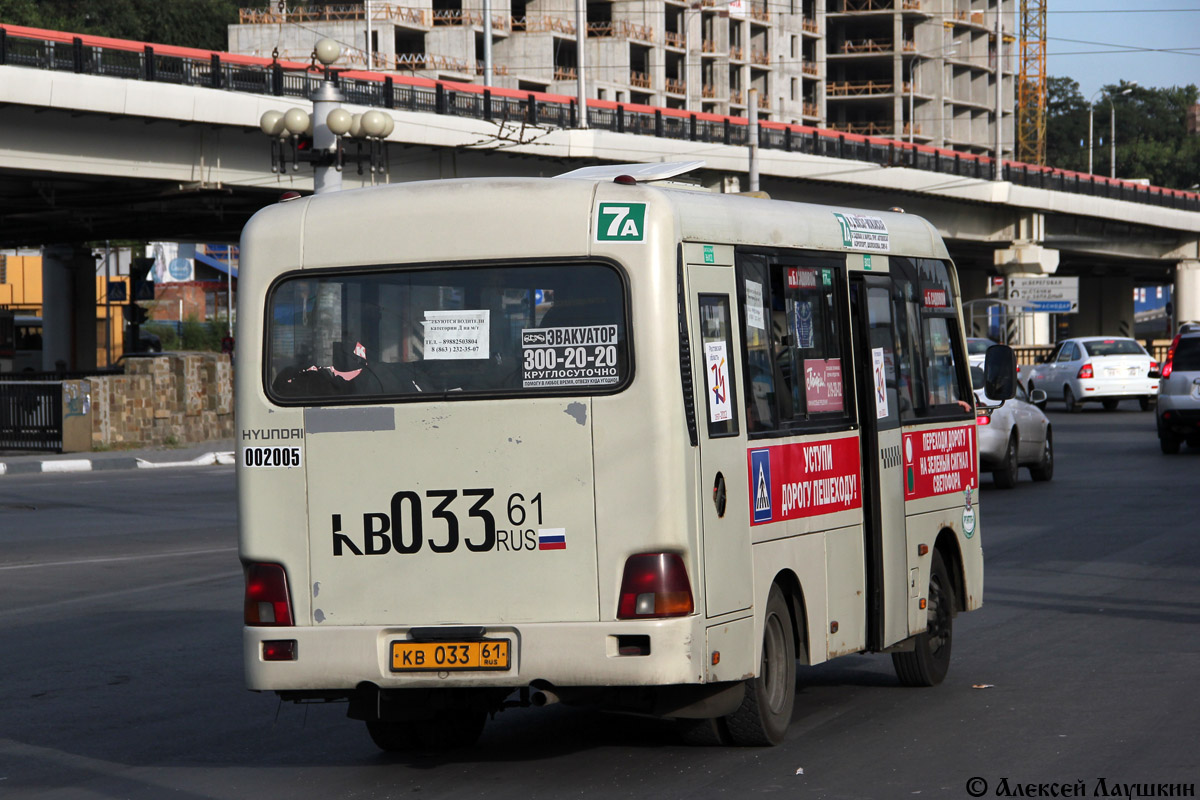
1102 42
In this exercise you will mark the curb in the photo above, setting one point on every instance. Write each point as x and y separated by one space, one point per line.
225 458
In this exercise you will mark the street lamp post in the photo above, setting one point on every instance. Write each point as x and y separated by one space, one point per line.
1112 123
328 125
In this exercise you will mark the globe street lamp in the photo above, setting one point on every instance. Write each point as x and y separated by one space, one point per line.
328 125
1112 135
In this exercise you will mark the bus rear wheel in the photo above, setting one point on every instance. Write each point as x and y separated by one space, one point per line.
929 660
766 710
449 729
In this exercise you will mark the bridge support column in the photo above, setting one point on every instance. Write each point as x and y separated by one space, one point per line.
68 308
1027 260
1187 292
1105 307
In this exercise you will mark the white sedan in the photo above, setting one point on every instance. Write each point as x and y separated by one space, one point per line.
1107 369
1012 435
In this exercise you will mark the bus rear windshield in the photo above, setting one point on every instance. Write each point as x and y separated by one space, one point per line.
451 331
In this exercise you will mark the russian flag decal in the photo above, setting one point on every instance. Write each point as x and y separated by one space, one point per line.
552 538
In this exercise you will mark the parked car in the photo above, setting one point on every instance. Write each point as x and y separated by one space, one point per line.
1107 369
1178 413
1013 435
977 349
148 342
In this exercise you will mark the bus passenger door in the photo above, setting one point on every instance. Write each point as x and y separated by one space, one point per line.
724 506
883 498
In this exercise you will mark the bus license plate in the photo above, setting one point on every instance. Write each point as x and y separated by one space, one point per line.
447 656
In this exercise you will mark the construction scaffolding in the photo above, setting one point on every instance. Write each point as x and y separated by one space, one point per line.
1031 84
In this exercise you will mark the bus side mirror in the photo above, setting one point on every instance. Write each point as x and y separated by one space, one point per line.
1000 372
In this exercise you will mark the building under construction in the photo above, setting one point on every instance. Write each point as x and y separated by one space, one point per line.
919 70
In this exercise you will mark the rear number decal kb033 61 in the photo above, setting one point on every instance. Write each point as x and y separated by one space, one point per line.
446 520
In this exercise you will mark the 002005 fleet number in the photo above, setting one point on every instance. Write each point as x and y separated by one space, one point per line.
269 456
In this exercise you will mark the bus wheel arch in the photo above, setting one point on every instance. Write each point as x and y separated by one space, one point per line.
928 661
765 713
793 593
947 546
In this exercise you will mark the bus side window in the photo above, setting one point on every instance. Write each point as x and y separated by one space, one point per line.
759 376
932 379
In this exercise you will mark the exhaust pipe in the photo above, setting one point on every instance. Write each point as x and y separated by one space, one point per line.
543 697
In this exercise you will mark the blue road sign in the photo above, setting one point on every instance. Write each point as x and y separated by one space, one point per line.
1051 306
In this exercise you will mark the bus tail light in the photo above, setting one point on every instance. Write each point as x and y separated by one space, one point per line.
267 600
655 585
279 650
1085 372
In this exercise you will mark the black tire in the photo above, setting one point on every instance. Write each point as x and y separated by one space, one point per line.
1168 442
929 660
1110 405
766 711
1071 401
702 732
1146 403
392 737
459 728
1044 469
1005 474
449 729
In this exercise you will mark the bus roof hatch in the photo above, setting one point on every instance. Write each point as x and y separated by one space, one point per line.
642 173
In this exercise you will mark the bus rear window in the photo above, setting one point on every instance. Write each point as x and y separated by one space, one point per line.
403 333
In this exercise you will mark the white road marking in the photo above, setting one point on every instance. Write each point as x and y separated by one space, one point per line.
113 559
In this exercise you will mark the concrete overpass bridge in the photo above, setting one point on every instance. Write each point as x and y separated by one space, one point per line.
111 139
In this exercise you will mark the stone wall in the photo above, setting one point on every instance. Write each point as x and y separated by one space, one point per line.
164 400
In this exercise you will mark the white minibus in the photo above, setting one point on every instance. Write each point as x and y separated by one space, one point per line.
604 439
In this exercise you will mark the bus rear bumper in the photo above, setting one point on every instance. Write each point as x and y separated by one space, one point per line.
333 659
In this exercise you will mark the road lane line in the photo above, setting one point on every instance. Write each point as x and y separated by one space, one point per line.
91 598
113 559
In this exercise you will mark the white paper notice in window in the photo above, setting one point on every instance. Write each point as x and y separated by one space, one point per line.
754 306
457 334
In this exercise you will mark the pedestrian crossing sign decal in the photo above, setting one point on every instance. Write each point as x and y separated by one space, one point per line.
760 482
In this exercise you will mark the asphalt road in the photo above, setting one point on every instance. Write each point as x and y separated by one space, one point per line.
120 661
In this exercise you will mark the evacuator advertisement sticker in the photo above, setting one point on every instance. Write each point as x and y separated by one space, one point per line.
791 481
938 462
582 356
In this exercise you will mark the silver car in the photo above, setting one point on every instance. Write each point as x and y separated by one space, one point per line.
1178 414
1107 369
1013 435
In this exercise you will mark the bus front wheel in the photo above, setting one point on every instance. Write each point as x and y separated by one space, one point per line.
766 710
929 660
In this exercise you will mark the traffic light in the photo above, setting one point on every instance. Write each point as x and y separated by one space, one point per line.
135 314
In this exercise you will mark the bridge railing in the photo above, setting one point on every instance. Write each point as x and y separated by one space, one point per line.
55 50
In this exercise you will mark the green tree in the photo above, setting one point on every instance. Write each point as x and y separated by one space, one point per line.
1152 139
189 23
1066 125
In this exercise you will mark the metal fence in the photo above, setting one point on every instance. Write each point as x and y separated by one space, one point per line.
218 71
31 415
